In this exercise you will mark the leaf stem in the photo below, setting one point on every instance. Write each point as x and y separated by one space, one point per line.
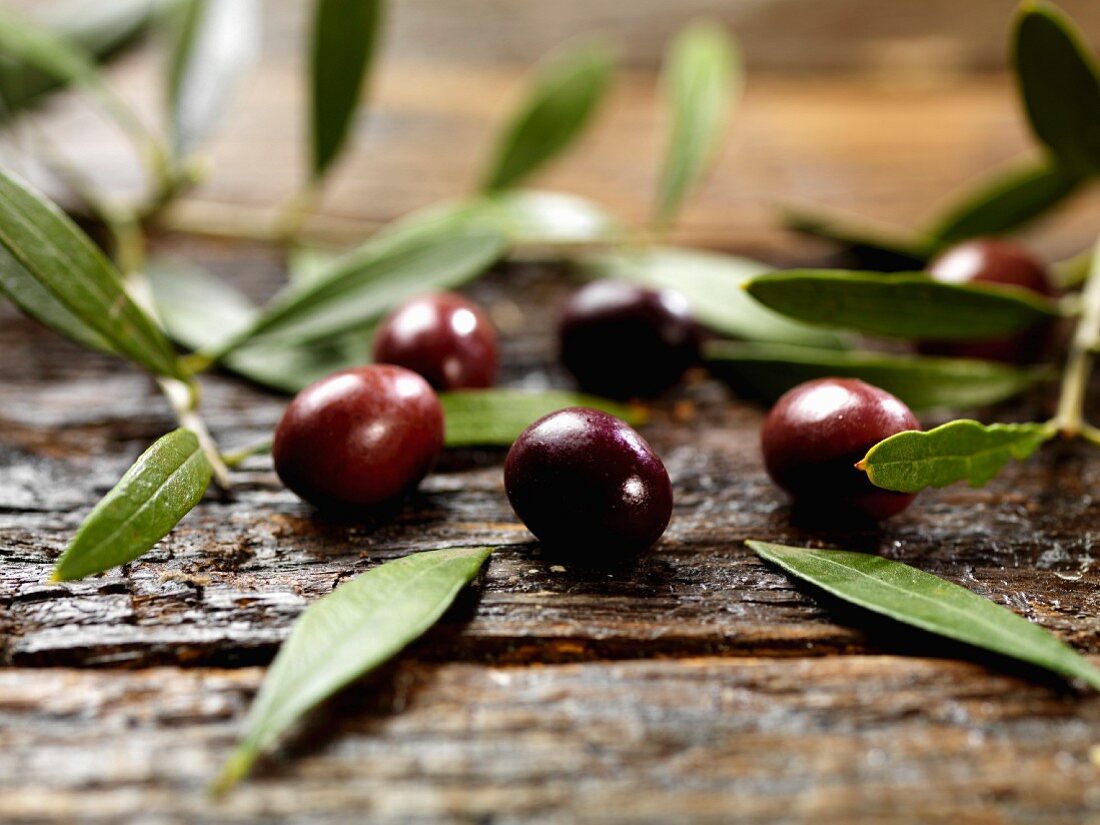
297 212
184 399
1069 418
237 457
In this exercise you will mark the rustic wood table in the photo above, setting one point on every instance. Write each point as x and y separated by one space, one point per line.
694 685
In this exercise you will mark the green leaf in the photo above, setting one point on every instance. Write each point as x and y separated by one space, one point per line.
64 281
961 450
358 290
874 247
560 102
702 80
199 310
1060 85
497 417
215 43
900 306
345 34
338 639
916 598
155 493
769 370
714 286
1006 202
96 28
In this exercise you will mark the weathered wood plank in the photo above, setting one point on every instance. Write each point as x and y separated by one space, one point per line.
846 739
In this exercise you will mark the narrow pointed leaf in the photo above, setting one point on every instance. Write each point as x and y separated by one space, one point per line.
359 289
961 450
497 417
1006 202
99 29
900 306
769 370
199 310
338 639
872 247
701 81
155 493
714 286
216 42
344 39
1060 84
916 598
564 95
55 274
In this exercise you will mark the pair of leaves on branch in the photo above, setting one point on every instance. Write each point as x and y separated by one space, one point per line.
1059 84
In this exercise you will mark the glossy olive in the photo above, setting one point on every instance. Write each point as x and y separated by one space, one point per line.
623 340
584 481
444 337
995 261
359 438
815 434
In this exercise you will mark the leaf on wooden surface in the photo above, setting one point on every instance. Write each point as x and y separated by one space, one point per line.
961 450
200 310
155 493
363 623
497 417
215 43
1059 82
916 598
1005 202
714 286
701 81
900 306
345 36
563 96
61 279
922 382
359 289
98 29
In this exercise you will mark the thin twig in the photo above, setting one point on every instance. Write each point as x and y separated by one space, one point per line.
1071 403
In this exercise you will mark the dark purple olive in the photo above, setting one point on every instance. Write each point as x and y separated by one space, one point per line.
815 434
624 341
359 438
994 261
582 479
443 337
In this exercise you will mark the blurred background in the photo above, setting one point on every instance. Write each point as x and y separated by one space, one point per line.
881 109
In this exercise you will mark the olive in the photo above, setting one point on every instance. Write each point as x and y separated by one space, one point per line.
359 438
623 340
444 337
584 481
815 434
1002 263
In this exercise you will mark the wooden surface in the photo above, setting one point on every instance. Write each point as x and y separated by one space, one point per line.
693 685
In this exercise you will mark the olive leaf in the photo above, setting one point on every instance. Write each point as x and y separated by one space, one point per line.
900 306
1060 85
714 286
215 43
1005 202
159 489
701 80
916 598
358 289
497 417
55 274
562 98
769 370
874 247
344 39
961 450
99 29
199 310
358 626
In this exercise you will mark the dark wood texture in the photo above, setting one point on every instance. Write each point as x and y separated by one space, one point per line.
695 684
